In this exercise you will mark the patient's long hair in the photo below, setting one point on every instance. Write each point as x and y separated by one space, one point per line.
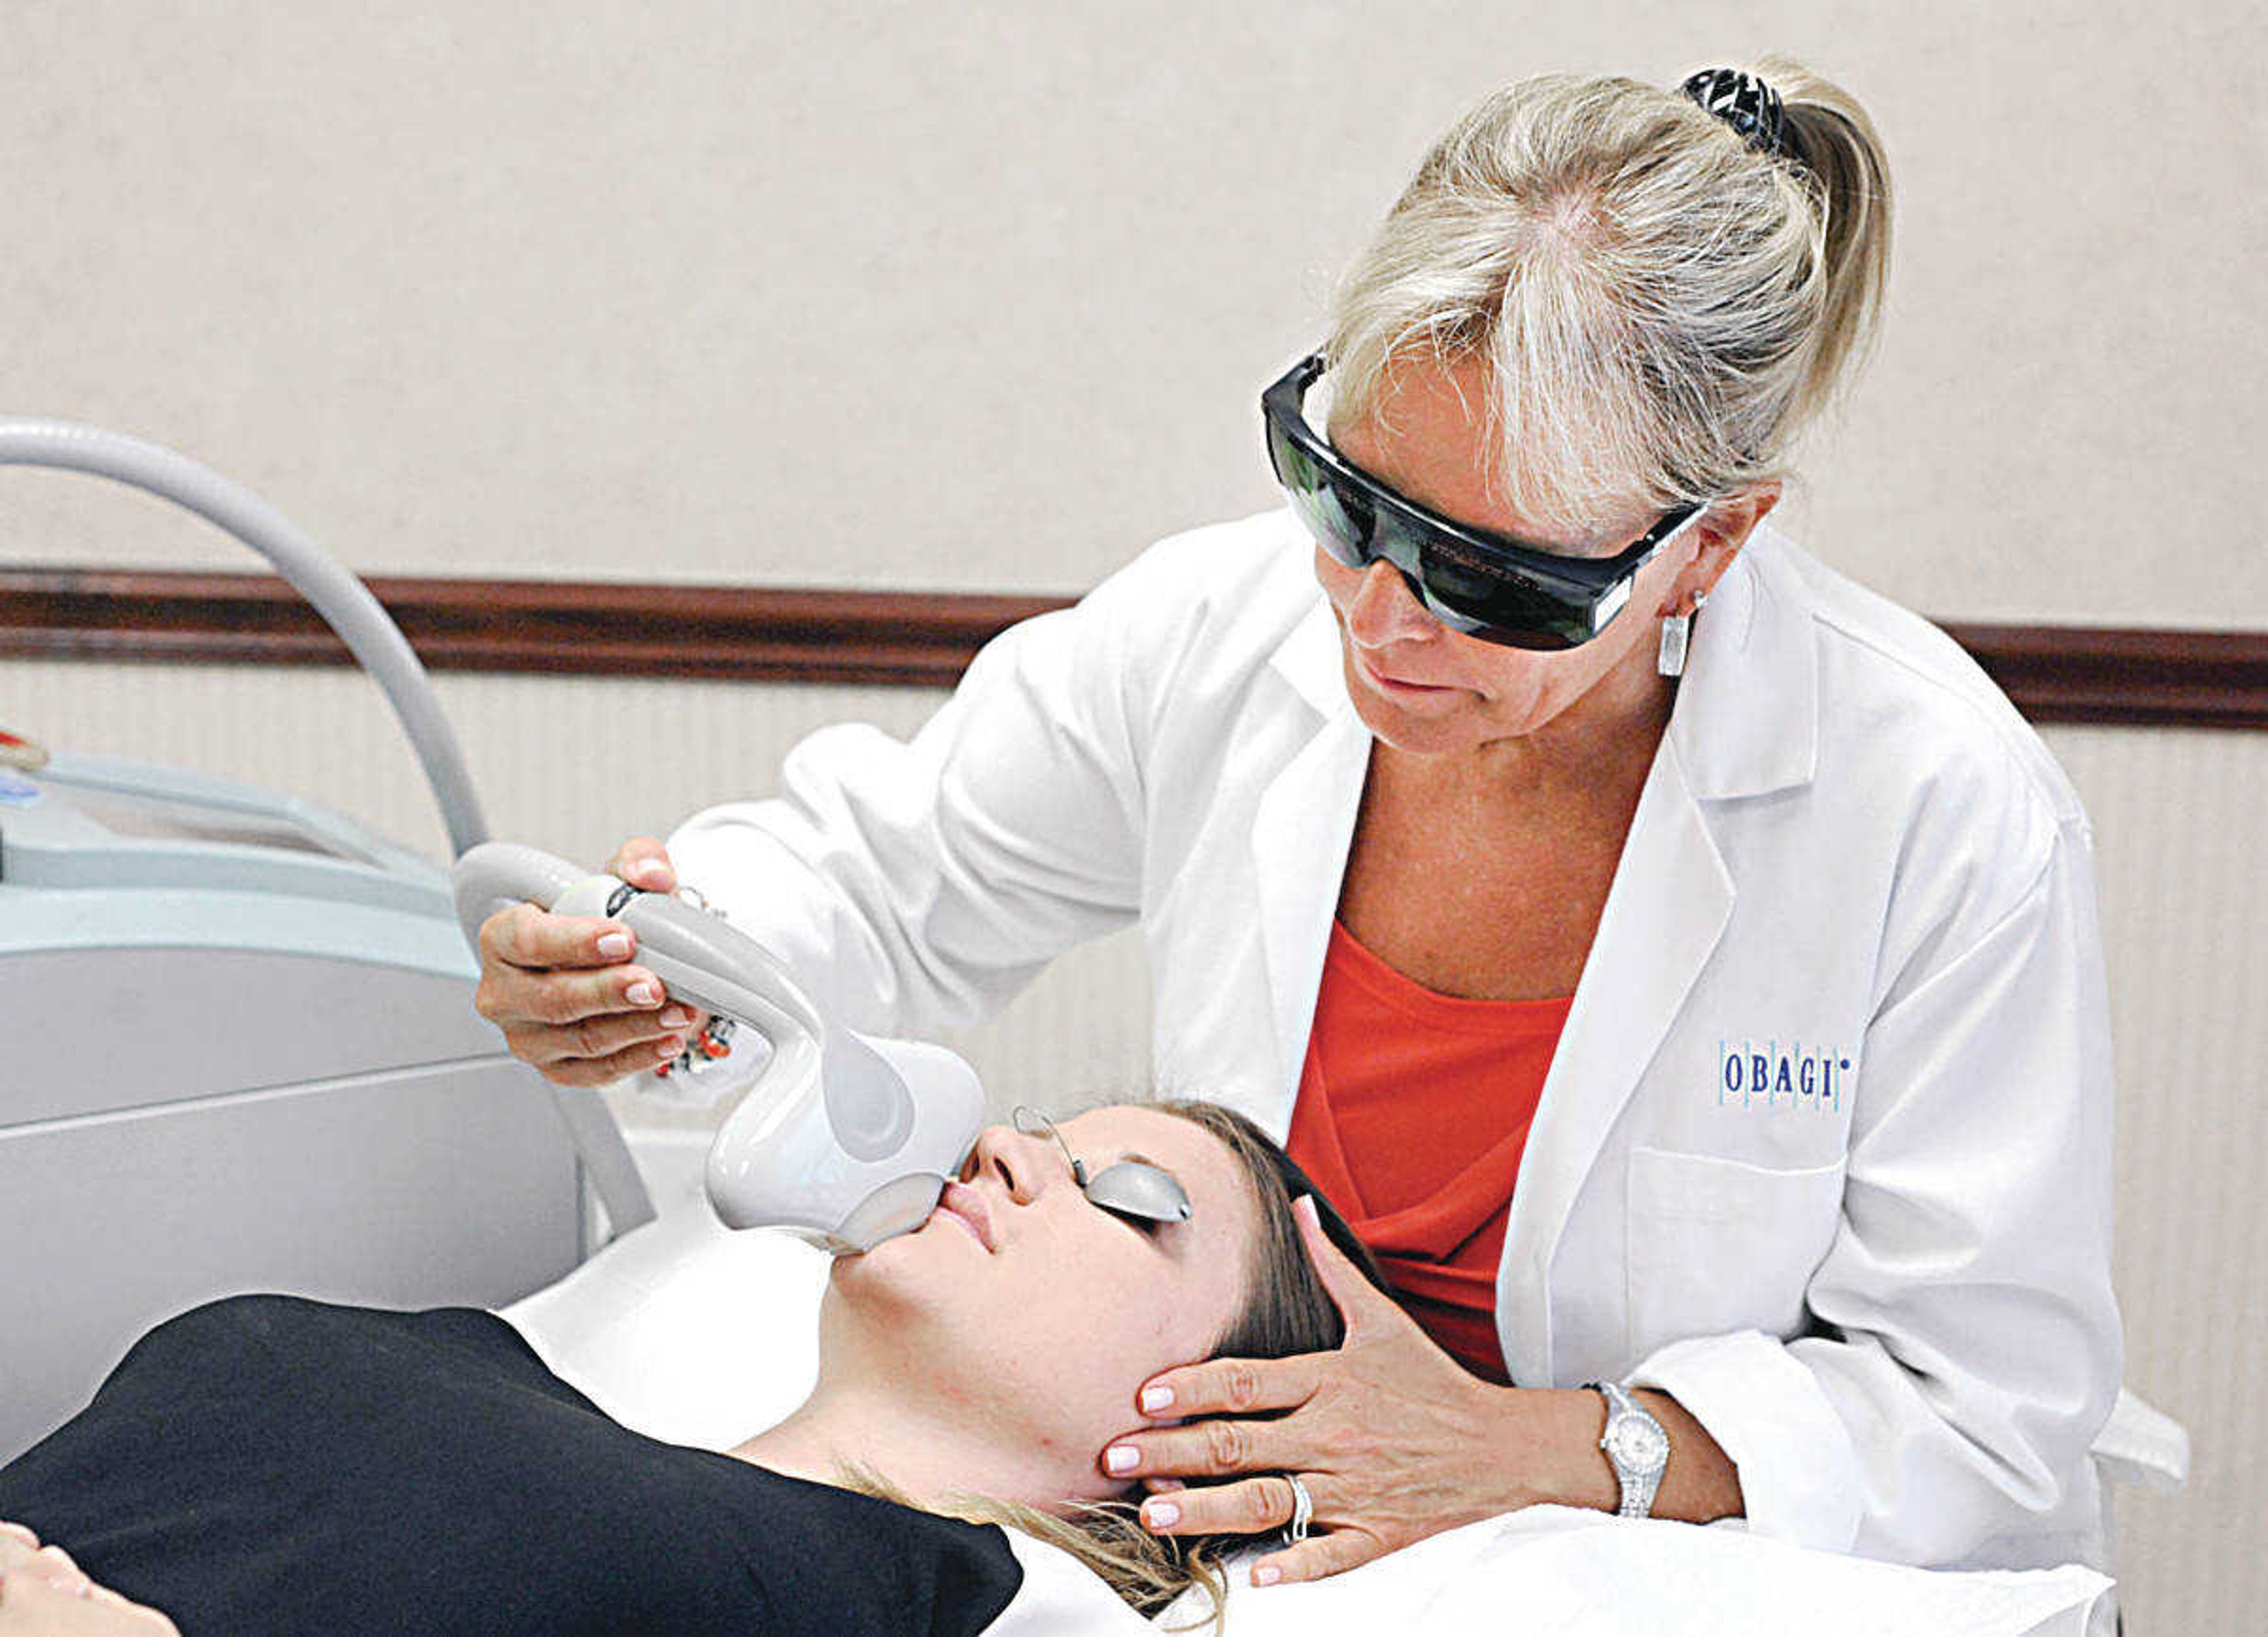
1286 1312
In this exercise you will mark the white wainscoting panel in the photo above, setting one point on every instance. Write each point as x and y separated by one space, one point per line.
2182 855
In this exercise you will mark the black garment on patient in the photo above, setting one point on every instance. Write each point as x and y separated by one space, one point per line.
268 1464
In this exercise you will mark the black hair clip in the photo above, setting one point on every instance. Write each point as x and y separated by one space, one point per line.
1745 103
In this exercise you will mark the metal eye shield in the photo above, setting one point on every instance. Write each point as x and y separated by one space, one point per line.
1130 1189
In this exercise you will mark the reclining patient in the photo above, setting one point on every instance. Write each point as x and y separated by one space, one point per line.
267 1463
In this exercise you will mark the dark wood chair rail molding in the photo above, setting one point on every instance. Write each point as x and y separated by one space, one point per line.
2055 673
585 628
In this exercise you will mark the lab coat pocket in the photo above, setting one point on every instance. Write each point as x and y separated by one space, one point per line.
1718 1244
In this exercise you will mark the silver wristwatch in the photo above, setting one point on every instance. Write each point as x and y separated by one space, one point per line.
1638 1446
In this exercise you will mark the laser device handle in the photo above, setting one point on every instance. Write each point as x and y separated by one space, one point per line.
704 964
843 1137
694 954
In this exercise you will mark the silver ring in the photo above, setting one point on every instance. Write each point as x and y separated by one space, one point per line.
1303 1510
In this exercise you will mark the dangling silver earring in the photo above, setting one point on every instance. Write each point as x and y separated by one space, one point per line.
1675 630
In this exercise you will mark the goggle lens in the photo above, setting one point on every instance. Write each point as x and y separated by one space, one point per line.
1469 594
1341 523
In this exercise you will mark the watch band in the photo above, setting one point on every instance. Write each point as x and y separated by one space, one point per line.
1636 1446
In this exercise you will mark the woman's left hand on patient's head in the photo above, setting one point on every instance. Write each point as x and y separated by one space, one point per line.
1394 1438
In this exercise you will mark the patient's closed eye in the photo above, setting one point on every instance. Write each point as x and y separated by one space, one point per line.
1148 1226
1139 1192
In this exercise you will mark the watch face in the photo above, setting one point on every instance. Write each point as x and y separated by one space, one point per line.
1640 1445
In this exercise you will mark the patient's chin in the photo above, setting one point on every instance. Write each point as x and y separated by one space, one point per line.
875 1307
916 1270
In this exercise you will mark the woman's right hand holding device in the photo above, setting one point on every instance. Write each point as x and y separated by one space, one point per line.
567 993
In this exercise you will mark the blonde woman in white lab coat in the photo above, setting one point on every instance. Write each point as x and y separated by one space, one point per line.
1707 1003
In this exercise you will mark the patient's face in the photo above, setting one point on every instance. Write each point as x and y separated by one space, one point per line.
1021 1295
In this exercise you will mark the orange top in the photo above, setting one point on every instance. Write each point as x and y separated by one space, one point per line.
1413 1112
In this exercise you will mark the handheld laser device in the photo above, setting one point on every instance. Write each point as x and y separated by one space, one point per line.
844 1138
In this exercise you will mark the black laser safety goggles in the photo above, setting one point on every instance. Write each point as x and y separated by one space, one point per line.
1481 585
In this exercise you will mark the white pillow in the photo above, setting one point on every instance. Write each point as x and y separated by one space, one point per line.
684 1329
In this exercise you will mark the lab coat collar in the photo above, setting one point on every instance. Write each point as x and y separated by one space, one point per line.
1671 900
1747 718
1309 658
1302 833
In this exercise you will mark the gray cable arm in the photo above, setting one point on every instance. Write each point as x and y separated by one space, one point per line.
378 645
344 601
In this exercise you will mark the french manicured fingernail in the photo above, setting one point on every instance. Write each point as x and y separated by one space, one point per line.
1121 1459
676 1017
643 994
1160 1514
666 1050
614 946
1306 1206
652 870
1266 1574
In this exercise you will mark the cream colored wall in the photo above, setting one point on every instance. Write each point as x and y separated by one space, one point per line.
981 298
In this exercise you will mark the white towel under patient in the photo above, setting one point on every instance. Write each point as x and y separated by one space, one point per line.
1568 1572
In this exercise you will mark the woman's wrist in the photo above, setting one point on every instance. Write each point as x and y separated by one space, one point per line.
1578 1473
1543 1452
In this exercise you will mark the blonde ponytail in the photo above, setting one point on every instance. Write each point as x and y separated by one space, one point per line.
1662 309
1837 146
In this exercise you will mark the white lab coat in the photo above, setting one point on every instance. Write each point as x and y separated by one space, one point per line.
1825 1149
